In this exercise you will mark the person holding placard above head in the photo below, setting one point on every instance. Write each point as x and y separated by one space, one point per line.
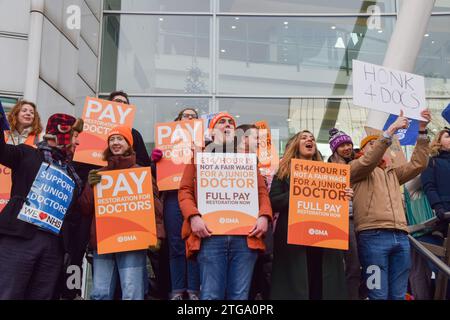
184 273
226 261
129 267
301 272
36 224
379 216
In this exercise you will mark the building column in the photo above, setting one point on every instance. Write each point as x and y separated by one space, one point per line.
404 45
34 50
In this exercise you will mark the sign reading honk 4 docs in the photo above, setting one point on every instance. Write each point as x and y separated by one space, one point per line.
124 211
100 116
176 140
227 192
318 209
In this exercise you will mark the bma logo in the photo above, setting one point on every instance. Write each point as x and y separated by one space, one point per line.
73 22
317 232
374 279
229 221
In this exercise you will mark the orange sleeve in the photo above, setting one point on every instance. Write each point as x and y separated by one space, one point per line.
186 194
265 208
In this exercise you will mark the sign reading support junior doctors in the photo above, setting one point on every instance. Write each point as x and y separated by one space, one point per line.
49 198
388 90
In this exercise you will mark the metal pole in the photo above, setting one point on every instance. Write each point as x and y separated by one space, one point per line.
404 45
34 50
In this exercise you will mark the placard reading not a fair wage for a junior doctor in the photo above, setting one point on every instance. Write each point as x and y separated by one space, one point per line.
388 90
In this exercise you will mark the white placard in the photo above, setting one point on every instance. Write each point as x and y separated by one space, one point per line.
227 191
388 90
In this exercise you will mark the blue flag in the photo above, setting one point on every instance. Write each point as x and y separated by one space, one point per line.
4 125
408 136
446 113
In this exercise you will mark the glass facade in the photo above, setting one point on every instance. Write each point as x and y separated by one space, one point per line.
284 61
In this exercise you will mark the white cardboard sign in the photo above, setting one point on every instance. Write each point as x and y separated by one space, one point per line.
388 90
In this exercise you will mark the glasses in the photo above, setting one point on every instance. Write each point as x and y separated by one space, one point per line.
189 116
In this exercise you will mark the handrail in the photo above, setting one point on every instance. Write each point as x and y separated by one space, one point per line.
427 254
428 223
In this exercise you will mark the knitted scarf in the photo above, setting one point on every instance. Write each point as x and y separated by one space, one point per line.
56 156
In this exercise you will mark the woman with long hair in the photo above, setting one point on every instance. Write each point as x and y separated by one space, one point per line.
301 272
25 124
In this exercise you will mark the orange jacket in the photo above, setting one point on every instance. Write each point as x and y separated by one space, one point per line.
187 198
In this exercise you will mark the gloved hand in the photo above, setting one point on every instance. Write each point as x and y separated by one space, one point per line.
156 155
94 178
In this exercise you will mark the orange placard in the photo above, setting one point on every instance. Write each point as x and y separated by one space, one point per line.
124 211
5 186
394 155
318 210
100 116
267 154
176 140
227 192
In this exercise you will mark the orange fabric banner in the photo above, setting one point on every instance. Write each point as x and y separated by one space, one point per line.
124 211
100 116
176 140
318 210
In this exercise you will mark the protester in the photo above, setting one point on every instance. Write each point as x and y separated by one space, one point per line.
31 258
226 262
184 273
301 272
379 217
436 177
25 124
342 152
130 266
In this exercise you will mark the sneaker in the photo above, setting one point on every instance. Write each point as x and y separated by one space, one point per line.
177 297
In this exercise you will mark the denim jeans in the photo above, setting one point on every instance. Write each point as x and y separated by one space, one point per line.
226 268
184 274
386 261
129 267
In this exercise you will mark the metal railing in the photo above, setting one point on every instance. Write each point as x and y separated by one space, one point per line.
422 250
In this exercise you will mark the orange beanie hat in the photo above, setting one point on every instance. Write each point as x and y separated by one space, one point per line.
123 131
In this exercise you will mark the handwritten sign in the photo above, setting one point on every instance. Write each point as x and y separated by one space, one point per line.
318 208
388 90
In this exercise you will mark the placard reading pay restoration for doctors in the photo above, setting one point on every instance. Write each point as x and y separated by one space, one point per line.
49 198
227 192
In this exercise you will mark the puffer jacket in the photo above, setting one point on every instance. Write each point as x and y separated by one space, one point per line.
377 201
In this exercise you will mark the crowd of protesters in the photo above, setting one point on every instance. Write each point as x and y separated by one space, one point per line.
191 263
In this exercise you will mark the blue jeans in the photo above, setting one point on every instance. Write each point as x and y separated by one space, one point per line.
184 274
226 268
386 261
129 266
